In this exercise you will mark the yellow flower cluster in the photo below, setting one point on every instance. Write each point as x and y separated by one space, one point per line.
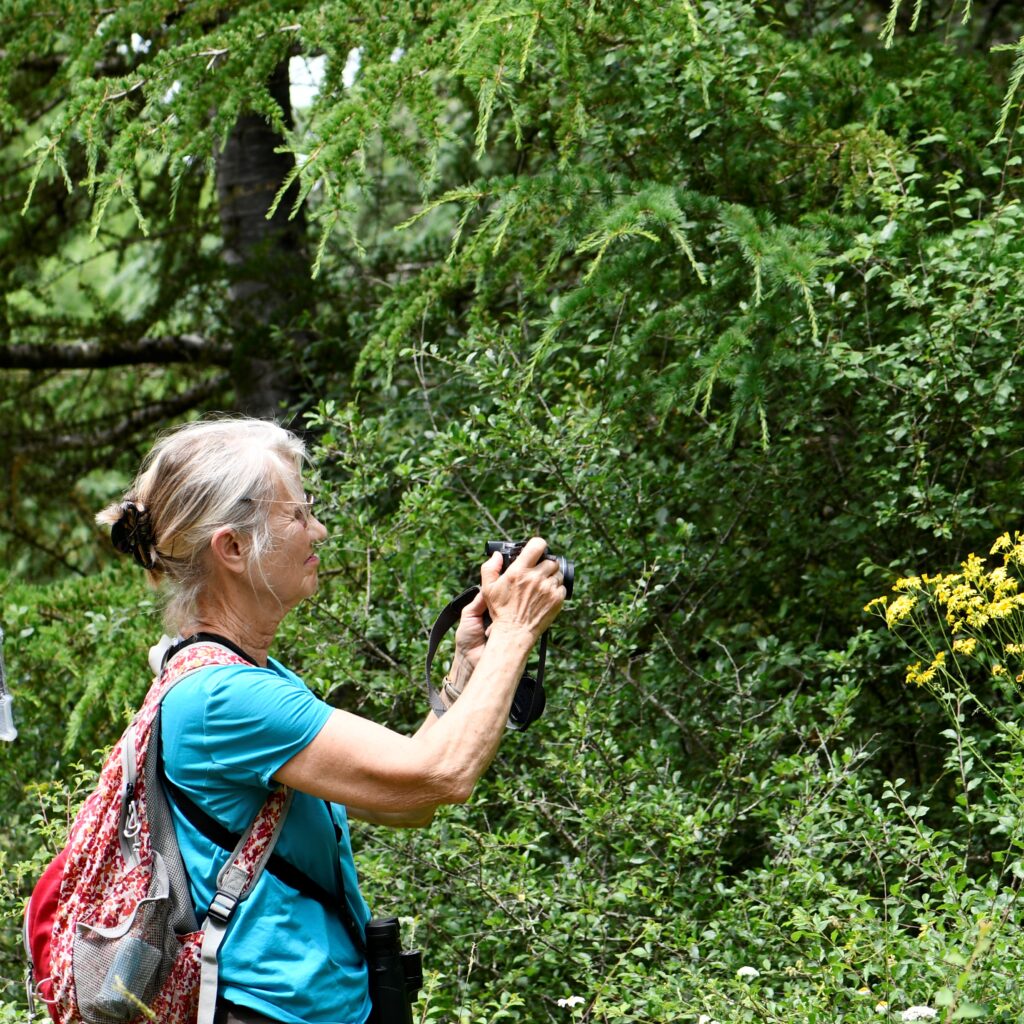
969 598
975 613
899 609
915 674
1011 546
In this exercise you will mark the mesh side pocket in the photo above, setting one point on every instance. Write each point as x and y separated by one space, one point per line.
119 969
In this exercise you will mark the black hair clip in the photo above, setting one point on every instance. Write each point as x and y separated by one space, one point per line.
132 534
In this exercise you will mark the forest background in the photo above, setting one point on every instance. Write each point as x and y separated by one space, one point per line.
722 298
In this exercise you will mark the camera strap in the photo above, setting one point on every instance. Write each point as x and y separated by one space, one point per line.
529 700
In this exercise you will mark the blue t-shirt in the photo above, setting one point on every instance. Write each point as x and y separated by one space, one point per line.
226 730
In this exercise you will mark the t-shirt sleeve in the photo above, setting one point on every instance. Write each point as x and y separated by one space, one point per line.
256 719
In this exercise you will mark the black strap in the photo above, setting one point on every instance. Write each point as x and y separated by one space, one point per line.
282 869
529 700
449 617
214 638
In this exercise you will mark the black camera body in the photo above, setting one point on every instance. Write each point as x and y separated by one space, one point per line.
510 550
395 976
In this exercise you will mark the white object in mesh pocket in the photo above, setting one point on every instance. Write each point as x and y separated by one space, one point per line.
119 969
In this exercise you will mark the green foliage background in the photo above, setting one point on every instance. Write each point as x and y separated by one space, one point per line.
719 297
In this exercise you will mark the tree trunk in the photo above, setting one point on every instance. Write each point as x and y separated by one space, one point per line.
270 272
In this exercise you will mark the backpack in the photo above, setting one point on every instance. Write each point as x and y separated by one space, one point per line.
110 929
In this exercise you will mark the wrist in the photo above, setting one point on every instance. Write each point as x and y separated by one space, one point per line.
512 634
450 692
460 670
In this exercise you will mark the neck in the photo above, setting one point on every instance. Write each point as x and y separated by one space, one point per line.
254 633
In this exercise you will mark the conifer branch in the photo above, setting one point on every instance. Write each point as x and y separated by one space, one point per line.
131 423
92 355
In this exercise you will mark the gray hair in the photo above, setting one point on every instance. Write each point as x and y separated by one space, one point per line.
197 479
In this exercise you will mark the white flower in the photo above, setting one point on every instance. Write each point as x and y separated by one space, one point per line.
705 1019
571 1001
748 972
882 1007
918 1013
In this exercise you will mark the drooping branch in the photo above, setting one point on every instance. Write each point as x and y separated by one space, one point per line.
92 355
25 537
131 423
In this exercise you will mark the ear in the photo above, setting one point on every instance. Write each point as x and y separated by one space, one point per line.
229 550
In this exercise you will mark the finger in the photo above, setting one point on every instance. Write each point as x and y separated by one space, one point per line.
476 607
490 570
532 552
550 566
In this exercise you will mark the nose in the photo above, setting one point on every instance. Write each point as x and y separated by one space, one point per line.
318 529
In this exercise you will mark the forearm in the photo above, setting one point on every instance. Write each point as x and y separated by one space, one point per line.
465 740
358 763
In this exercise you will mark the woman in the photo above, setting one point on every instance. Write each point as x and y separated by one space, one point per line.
218 518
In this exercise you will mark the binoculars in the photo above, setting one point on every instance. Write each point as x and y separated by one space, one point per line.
395 976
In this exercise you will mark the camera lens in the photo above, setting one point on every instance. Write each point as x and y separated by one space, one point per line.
568 570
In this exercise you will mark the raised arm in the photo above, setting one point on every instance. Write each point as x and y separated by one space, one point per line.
398 779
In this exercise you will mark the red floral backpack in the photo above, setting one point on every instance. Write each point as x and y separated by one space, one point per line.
110 930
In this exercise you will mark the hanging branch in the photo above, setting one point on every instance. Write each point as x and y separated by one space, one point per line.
82 355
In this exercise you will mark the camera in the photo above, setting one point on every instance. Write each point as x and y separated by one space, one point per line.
395 976
511 549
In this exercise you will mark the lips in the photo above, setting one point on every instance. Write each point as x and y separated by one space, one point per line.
313 560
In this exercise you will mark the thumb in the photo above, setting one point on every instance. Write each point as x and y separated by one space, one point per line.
476 607
490 570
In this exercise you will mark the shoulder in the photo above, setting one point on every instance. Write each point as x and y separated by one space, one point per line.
238 690
244 719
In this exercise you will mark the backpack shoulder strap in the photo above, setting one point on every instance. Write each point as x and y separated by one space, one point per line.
254 848
235 881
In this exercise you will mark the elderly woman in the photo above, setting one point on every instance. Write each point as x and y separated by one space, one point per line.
218 518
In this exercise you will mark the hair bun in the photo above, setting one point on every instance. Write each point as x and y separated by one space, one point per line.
132 534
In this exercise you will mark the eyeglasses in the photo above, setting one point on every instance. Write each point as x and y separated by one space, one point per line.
303 511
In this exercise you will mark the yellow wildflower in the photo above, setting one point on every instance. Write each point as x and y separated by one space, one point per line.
998 670
977 619
960 598
1014 648
915 675
876 602
965 645
899 609
1000 609
1002 543
907 583
974 568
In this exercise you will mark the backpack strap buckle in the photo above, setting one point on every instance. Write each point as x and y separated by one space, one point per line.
223 906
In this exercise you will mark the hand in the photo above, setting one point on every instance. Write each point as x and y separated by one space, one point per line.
470 638
528 595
